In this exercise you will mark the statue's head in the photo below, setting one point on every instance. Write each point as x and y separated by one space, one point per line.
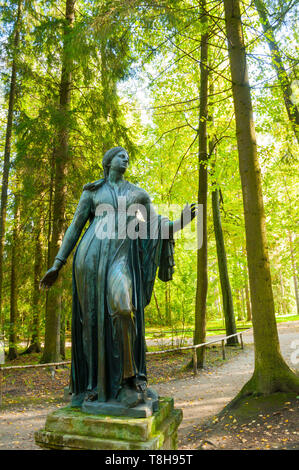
116 158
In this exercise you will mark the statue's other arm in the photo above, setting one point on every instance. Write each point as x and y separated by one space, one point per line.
188 213
70 238
74 231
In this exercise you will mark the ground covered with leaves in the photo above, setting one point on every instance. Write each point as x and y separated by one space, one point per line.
260 423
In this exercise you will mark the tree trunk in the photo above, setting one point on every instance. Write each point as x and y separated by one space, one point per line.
52 333
13 350
271 373
283 302
7 150
38 261
202 253
62 329
227 299
157 307
277 63
248 303
218 308
294 272
167 305
50 216
242 315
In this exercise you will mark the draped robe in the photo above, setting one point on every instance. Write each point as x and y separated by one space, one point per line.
112 274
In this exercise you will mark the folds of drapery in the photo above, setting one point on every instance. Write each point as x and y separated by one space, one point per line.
145 258
157 253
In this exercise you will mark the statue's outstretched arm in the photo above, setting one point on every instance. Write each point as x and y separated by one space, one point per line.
70 239
171 227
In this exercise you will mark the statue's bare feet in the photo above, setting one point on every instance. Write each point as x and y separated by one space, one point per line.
91 396
139 385
77 400
151 393
129 396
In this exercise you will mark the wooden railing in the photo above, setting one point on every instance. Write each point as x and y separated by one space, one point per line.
175 331
194 347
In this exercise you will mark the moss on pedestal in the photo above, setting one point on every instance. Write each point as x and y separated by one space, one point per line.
70 428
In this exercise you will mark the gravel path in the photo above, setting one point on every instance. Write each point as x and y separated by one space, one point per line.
200 397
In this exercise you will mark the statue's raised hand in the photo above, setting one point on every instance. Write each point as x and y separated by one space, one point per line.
188 214
49 278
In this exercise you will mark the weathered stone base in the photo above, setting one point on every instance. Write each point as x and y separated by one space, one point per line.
115 408
70 428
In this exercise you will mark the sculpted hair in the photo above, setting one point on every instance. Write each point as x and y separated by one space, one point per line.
108 158
106 165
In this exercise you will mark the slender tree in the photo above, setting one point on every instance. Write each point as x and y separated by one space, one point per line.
34 345
7 148
278 65
167 305
227 298
294 268
202 253
248 303
13 351
271 373
51 351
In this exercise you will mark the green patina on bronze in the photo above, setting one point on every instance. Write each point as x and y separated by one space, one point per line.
113 279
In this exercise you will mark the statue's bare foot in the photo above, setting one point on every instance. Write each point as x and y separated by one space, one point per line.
129 396
139 385
77 400
91 396
151 393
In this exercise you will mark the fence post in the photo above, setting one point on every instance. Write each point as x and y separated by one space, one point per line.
223 349
241 341
52 370
194 361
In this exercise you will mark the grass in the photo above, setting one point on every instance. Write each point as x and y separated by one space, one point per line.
214 327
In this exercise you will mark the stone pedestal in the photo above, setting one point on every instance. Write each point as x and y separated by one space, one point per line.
70 428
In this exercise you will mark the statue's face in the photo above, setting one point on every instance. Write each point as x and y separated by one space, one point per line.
120 161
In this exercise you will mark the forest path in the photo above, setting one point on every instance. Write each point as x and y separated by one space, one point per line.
200 397
203 396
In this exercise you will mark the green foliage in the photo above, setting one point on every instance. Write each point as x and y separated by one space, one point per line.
136 79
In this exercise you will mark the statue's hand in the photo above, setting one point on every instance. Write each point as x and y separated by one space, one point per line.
188 214
49 278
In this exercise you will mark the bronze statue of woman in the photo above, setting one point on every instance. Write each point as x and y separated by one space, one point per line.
113 277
